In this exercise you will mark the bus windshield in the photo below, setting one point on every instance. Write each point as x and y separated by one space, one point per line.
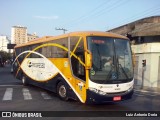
111 60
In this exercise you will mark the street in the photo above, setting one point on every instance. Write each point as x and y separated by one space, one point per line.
16 97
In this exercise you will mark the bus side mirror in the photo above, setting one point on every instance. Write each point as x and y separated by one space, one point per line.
88 60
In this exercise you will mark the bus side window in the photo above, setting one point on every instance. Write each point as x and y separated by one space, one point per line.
25 49
19 51
44 51
49 51
78 49
59 52
35 55
30 49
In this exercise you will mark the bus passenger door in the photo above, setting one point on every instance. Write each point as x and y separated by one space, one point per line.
79 76
78 66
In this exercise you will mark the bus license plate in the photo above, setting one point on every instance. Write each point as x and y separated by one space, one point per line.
117 98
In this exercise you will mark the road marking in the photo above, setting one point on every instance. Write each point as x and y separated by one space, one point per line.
45 95
26 94
9 85
8 94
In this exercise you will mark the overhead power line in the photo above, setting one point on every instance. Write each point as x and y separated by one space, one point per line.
101 11
145 13
97 10
88 13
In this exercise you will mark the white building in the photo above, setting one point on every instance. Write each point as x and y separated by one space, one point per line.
149 75
4 40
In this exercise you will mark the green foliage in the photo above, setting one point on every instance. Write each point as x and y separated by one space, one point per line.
5 56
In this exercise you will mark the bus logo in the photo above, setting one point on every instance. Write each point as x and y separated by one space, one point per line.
114 75
29 64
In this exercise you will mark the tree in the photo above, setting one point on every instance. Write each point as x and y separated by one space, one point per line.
5 56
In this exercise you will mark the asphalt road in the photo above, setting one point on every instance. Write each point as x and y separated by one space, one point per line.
31 98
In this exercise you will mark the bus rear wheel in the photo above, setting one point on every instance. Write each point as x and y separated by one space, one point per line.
62 91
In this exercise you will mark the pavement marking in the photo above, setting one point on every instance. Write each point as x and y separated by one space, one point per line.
9 85
8 94
45 95
26 94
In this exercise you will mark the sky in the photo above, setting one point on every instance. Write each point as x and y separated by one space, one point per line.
43 16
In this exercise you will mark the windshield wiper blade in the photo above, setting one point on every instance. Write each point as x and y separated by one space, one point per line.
124 72
109 74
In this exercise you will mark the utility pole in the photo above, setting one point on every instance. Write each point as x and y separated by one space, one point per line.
64 30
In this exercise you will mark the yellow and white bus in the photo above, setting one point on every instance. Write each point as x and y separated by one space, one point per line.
93 67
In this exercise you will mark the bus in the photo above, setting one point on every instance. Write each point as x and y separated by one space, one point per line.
88 66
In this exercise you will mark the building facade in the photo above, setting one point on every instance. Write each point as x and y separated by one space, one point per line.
145 39
18 35
4 40
31 37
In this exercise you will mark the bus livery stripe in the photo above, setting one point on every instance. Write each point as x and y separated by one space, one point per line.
57 69
76 46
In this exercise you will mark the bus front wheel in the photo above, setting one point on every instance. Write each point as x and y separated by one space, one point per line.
62 91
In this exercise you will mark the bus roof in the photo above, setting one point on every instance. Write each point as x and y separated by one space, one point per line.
81 33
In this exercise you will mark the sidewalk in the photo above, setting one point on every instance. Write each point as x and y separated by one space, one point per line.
147 89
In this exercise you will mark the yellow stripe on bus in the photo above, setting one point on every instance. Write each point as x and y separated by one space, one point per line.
76 46
52 44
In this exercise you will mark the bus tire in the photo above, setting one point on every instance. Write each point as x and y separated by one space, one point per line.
24 80
62 91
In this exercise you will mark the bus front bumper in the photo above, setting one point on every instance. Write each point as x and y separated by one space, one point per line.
93 97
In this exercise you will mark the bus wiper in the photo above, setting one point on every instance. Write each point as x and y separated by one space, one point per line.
109 74
112 69
124 72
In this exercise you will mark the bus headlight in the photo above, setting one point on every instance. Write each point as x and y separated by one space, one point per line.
97 91
93 90
130 88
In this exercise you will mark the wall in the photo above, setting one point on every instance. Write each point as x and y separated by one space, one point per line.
151 53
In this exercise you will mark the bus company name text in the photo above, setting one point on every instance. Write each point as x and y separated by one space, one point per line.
36 65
